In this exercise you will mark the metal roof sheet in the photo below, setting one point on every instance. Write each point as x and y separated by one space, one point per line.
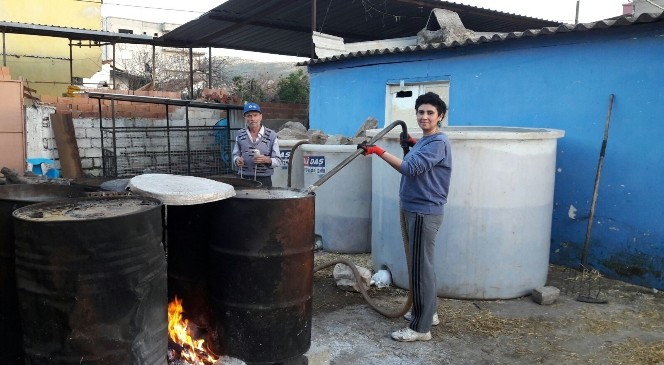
73 33
285 26
497 37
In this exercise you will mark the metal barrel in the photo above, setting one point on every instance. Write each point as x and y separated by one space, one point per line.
13 197
261 282
91 279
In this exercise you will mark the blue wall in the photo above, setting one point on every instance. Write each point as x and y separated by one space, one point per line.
562 81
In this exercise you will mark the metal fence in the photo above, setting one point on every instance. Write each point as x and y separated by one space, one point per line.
194 147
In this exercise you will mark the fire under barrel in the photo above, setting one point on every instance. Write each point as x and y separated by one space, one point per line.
13 197
91 279
261 282
187 237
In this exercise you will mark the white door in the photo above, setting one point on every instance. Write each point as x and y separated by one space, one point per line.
400 100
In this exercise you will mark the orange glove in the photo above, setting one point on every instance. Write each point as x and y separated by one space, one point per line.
370 148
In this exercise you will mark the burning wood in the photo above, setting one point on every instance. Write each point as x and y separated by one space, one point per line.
183 348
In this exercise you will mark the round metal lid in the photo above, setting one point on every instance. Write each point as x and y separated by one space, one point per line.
180 190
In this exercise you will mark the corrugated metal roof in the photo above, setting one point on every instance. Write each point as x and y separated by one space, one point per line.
285 26
498 37
73 33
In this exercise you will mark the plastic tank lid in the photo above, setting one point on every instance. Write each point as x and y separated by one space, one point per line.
180 190
343 148
481 132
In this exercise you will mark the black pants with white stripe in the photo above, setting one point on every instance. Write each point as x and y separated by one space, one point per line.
422 232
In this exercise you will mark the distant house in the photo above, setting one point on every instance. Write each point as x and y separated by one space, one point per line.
557 77
44 62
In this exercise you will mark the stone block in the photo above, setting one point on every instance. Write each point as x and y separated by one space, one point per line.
545 295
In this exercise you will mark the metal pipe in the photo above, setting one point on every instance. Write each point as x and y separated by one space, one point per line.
210 67
358 152
71 65
586 243
101 133
168 139
154 64
290 160
113 68
4 53
191 74
186 113
115 143
313 27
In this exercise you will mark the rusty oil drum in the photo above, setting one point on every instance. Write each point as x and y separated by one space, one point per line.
13 197
261 282
187 236
91 279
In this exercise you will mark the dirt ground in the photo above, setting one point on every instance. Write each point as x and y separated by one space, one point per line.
628 329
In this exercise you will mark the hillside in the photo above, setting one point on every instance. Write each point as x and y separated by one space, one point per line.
248 68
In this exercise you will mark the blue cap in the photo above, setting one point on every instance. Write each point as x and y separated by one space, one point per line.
251 107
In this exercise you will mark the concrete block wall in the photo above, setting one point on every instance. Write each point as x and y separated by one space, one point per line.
147 146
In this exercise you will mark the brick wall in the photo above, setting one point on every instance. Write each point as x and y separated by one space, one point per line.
83 107
294 112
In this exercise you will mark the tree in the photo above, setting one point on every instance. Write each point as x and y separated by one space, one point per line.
171 70
249 89
294 88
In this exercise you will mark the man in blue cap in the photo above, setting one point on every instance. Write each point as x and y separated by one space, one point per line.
256 150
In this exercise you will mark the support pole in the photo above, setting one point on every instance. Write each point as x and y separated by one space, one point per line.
313 28
4 53
210 67
71 64
154 74
586 243
191 74
113 70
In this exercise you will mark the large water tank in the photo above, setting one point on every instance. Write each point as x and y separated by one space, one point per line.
343 203
280 177
495 238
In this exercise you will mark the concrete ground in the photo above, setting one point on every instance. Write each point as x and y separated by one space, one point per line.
629 329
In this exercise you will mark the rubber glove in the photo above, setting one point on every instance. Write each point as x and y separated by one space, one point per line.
370 148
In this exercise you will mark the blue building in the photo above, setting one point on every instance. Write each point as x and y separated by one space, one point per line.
559 77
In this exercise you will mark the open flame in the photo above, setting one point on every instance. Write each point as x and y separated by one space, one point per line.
191 351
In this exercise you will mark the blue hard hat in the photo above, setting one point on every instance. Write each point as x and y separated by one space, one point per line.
252 107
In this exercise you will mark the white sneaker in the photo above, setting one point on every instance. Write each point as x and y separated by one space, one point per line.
409 316
408 335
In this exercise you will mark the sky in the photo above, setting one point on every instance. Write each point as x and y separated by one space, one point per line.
179 12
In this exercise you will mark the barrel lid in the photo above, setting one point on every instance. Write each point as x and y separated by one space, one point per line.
85 208
180 190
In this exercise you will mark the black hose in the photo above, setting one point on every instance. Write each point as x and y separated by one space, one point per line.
404 232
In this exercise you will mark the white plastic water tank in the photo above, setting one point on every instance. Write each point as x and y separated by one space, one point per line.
495 238
343 203
280 176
